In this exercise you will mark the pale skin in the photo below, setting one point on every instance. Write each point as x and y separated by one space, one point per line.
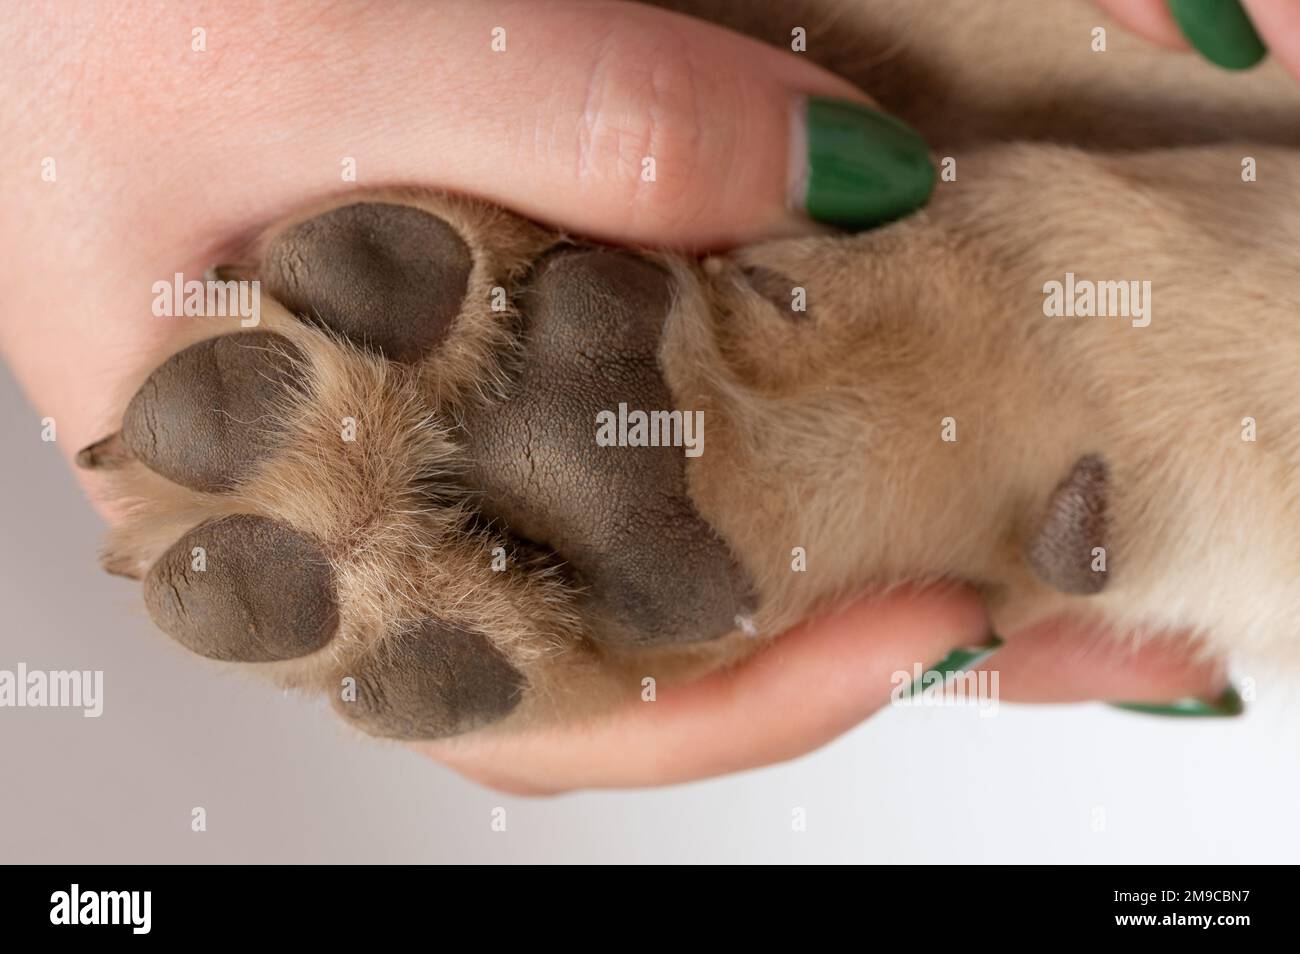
166 157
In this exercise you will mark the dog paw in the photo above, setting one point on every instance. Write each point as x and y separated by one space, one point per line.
392 490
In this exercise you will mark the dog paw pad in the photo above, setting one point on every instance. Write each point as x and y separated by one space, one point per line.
1064 549
619 516
244 589
432 682
388 277
201 418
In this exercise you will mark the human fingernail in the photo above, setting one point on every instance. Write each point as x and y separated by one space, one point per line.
856 167
1221 31
959 660
1228 703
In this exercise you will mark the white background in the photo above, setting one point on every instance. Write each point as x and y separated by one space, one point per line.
282 780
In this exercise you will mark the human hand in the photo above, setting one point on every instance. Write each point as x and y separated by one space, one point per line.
822 679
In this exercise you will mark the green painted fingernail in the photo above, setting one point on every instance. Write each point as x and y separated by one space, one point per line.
1221 31
1227 704
863 168
959 660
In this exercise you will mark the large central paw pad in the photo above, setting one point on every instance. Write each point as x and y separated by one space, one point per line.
620 516
395 489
